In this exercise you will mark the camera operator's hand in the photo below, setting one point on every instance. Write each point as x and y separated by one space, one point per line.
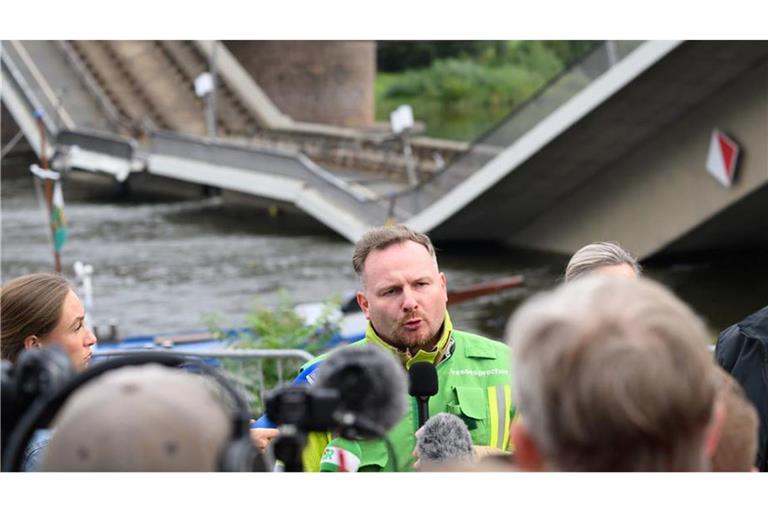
481 452
261 437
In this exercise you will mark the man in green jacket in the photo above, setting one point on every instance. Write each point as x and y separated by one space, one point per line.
404 296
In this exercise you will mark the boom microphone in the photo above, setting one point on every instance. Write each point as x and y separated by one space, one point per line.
423 384
371 386
444 437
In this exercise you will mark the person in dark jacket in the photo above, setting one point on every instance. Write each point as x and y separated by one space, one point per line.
742 351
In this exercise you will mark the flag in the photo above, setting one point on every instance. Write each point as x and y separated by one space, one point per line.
58 222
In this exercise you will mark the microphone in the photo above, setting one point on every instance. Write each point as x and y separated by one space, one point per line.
423 384
371 387
444 437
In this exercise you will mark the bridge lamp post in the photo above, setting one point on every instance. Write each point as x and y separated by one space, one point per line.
205 87
401 120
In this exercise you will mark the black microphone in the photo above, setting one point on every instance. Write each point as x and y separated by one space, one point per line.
444 437
371 387
423 384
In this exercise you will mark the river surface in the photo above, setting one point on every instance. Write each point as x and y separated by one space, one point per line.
161 264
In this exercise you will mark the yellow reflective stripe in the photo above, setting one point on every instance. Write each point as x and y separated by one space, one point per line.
507 419
494 416
499 403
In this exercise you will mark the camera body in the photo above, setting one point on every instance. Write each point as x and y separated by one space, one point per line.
306 408
35 375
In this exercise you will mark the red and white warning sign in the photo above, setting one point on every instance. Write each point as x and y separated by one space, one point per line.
722 158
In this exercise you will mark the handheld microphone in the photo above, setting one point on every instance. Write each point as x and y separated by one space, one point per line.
423 384
371 387
444 437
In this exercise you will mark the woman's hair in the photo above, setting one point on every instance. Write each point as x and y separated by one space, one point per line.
29 305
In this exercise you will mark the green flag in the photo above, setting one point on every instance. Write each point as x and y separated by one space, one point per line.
57 218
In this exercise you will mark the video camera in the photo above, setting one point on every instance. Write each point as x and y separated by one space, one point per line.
359 393
41 382
303 407
35 375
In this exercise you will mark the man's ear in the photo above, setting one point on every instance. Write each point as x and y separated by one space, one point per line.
527 455
714 429
445 285
363 303
32 342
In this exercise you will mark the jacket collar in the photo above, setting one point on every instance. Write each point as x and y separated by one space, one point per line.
433 356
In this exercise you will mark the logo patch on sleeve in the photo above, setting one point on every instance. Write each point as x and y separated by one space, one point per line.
338 459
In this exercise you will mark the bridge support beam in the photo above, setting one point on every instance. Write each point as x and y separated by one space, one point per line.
661 190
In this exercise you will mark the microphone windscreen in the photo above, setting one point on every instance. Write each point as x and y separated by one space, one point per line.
370 381
422 378
444 437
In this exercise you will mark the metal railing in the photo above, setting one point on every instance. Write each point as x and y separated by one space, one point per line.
113 115
104 143
33 102
254 372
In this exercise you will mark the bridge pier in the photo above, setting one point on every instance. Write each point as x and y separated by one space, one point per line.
328 82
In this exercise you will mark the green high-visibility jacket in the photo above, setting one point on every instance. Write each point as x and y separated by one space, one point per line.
474 383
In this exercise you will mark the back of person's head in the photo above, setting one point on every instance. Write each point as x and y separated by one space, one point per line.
599 255
612 375
140 418
737 447
29 305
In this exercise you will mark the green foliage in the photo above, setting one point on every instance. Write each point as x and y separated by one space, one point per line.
468 86
395 56
278 327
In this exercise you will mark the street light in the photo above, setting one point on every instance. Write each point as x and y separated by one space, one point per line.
401 120
205 87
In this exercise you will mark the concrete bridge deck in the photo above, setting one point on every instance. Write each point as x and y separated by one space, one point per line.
603 153
625 159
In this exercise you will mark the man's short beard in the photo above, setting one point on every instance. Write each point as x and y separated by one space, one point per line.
415 345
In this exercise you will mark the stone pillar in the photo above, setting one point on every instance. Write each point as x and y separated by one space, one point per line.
329 82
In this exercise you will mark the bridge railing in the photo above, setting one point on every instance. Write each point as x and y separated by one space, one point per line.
286 163
538 107
254 372
115 119
33 102
105 143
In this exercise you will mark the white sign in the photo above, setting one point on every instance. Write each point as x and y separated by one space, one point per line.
401 118
203 84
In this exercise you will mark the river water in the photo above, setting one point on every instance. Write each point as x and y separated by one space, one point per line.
161 264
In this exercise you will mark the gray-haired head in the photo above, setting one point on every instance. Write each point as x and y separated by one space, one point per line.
613 375
599 255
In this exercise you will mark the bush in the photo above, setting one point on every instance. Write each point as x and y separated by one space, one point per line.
469 86
278 327
459 99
